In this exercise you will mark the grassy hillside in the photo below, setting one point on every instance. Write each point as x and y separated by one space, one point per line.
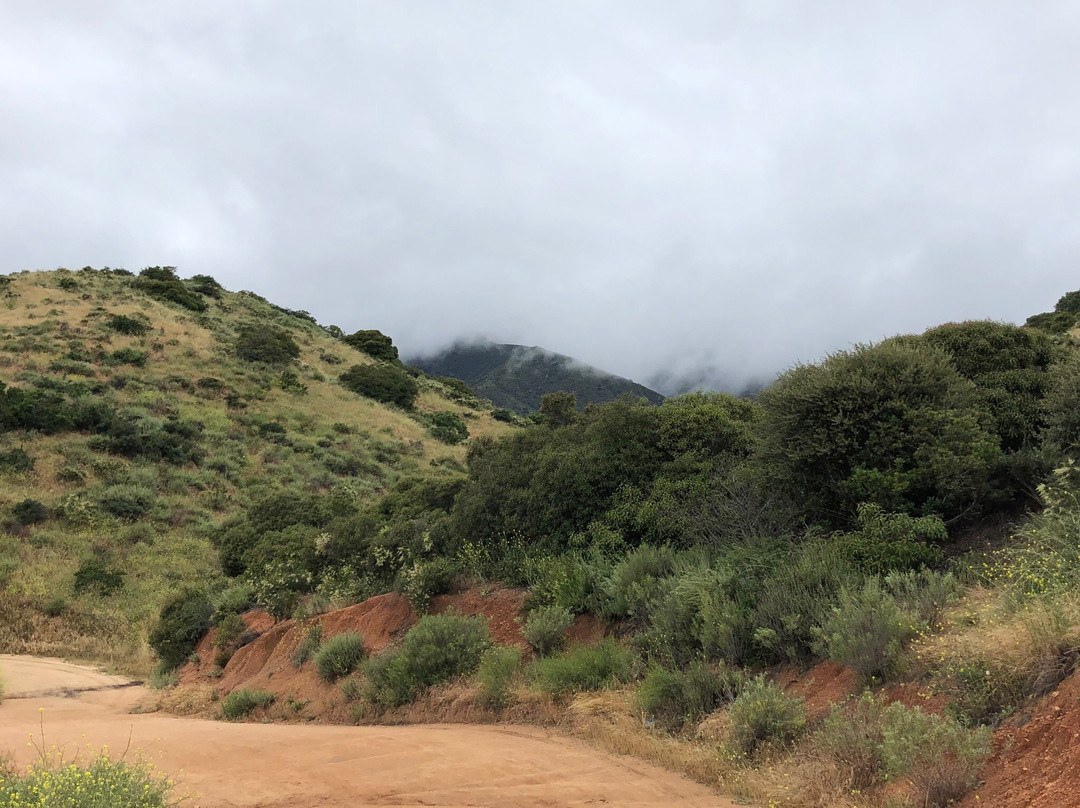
174 433
515 376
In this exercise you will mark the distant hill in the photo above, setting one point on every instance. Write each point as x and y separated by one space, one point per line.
516 376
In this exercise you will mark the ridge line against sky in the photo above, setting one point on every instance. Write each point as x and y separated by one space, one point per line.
690 190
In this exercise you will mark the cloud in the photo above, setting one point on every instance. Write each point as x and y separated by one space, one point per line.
717 188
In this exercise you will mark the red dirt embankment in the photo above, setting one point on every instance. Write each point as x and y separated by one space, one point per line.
1036 762
266 661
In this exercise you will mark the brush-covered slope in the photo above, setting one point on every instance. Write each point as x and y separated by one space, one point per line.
516 376
133 425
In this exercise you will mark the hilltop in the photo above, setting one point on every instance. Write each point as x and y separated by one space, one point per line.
517 376
138 417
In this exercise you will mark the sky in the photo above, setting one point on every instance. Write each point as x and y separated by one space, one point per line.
678 192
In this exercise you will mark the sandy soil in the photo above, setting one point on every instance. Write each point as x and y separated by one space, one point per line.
267 765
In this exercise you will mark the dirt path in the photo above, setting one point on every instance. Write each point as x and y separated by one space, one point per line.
224 765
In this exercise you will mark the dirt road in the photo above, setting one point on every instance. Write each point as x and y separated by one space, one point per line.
225 765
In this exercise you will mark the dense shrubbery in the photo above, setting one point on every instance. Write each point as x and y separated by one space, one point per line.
241 702
135 326
259 342
447 427
384 383
339 656
162 283
184 619
584 668
495 673
435 650
545 628
374 343
763 714
677 698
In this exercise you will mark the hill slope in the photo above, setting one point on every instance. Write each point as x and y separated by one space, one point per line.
162 432
516 376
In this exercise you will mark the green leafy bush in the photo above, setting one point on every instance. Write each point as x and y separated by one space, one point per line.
241 702
184 619
384 383
436 649
763 714
127 501
128 356
585 668
426 579
161 283
95 575
101 783
205 285
16 460
867 630
677 698
136 326
29 512
374 343
638 581
260 342
545 628
447 427
497 668
339 656
893 541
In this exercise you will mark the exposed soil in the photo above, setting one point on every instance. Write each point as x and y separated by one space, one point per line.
226 765
1036 763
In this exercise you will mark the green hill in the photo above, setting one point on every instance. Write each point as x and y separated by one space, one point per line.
516 376
139 414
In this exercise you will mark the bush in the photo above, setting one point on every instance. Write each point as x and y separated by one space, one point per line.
504 415
374 343
426 579
383 383
894 424
585 668
184 619
205 285
162 284
101 783
94 575
241 702
496 671
447 427
127 501
893 541
16 460
339 656
266 343
637 583
132 326
677 697
762 714
545 628
436 649
867 631
29 512
128 356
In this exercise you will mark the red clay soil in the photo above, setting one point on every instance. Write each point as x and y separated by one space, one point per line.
822 686
266 662
1036 763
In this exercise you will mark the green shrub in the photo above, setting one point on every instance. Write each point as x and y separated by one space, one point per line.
585 668
161 283
436 649
447 427
266 343
307 646
924 594
127 501
867 631
564 580
227 638
545 628
101 783
892 541
339 656
374 343
504 415
205 285
184 619
29 512
16 460
638 582
94 575
497 668
426 579
128 356
763 714
384 383
241 702
676 698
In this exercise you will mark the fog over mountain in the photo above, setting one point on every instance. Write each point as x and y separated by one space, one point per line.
685 194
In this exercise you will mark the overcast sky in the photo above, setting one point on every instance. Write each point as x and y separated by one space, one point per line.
652 187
